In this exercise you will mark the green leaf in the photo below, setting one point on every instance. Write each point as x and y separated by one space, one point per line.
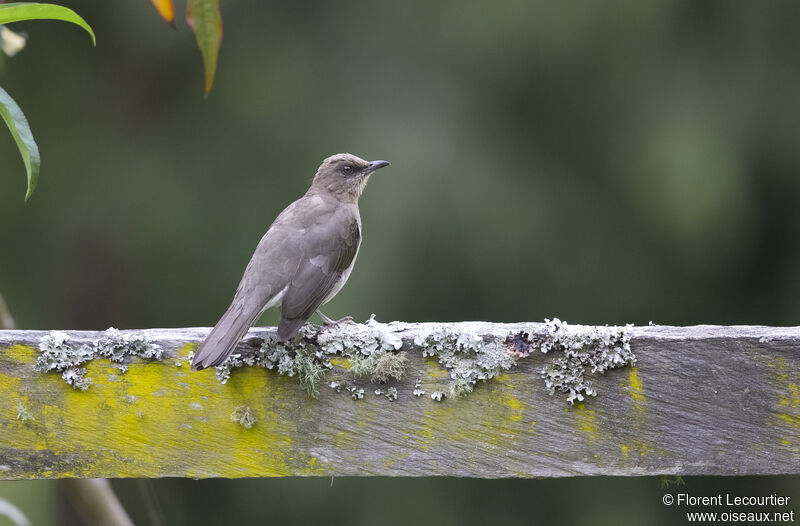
18 125
206 21
19 11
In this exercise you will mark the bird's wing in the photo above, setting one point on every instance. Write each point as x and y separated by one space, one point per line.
329 250
270 270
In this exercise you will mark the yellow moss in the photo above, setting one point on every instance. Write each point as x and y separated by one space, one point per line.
793 398
21 353
639 446
787 407
644 448
635 387
585 421
391 461
424 434
346 440
341 363
433 370
16 431
182 354
157 420
508 399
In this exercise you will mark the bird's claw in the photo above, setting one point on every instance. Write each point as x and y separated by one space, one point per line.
328 322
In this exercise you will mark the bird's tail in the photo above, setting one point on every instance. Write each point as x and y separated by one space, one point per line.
222 340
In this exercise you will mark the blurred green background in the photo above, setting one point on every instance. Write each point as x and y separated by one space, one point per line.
604 162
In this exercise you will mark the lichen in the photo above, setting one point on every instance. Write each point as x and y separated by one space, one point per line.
58 354
362 366
390 366
23 414
467 355
597 348
391 394
244 416
460 387
418 390
357 393
370 348
310 372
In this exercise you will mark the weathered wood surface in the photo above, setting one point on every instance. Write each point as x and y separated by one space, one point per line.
702 400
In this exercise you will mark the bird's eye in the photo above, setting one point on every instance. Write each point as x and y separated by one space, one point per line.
347 169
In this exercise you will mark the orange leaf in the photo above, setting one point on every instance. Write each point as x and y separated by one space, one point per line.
165 9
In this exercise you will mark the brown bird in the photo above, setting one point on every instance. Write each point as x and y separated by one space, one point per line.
302 261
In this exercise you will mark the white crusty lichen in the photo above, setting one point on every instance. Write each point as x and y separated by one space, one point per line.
371 349
596 348
357 393
391 394
56 353
467 354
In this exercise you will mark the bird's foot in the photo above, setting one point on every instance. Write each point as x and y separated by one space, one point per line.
328 322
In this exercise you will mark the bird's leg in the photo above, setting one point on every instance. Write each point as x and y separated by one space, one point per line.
328 322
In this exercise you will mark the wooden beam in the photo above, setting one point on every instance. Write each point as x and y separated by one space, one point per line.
704 400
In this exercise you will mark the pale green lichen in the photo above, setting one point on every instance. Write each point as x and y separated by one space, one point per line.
460 387
56 353
390 366
310 372
596 348
244 416
23 414
362 366
381 366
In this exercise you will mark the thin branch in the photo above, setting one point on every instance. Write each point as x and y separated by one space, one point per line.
154 511
6 321
96 502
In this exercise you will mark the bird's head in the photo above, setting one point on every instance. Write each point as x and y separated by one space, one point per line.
344 176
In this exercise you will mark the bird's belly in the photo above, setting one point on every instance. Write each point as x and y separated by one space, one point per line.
275 300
